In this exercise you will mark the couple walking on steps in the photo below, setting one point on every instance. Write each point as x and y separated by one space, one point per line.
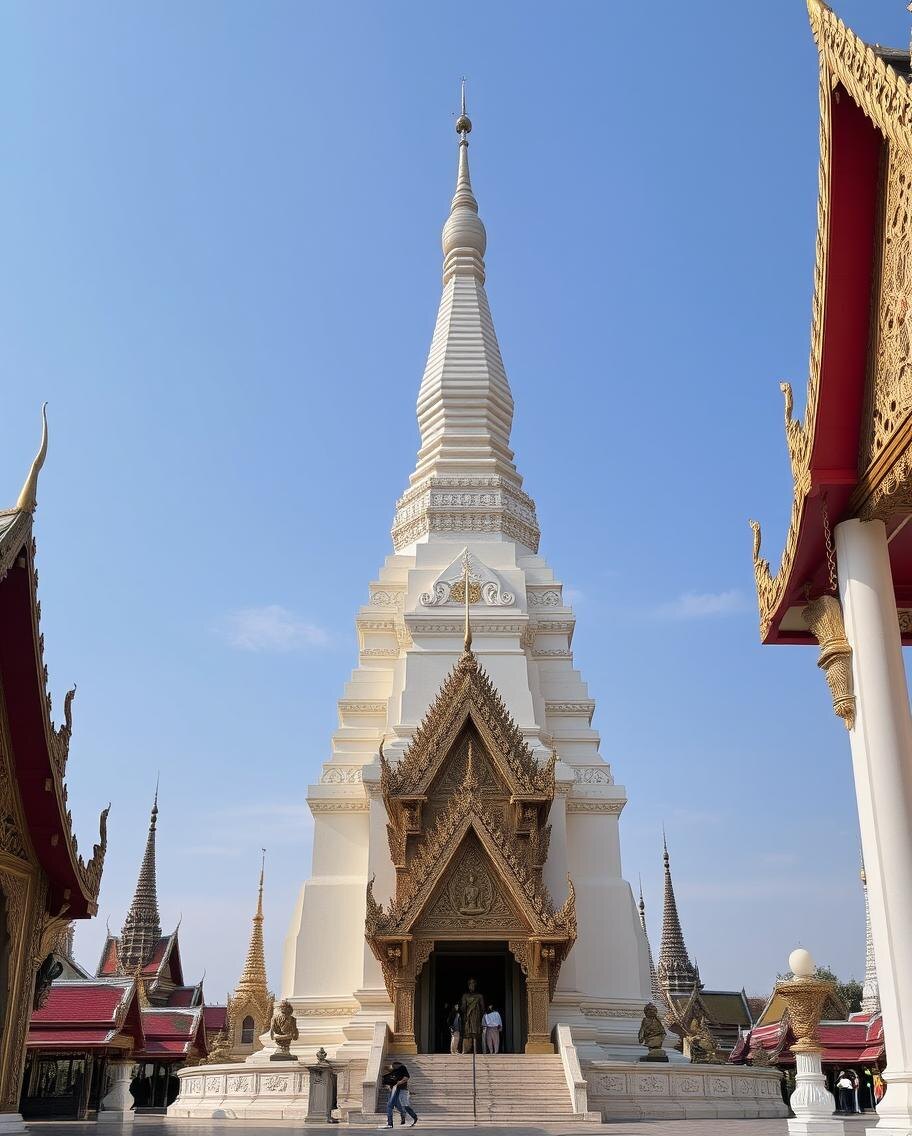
396 1078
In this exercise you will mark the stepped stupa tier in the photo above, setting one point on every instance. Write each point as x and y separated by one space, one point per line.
466 547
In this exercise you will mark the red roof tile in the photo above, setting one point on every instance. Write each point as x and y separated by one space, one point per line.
153 966
108 964
82 1002
161 1046
182 996
169 1023
215 1018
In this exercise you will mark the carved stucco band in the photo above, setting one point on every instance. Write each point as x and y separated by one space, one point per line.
824 618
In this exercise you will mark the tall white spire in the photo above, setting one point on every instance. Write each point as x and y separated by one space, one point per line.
465 482
870 991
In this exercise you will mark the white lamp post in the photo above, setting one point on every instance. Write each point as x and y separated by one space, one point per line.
805 996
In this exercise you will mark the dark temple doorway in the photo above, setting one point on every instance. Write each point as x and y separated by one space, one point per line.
444 979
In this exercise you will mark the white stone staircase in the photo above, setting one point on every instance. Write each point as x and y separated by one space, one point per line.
509 1088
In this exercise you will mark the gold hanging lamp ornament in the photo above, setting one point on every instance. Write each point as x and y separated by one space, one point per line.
823 617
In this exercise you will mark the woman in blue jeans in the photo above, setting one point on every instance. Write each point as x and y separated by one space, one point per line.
397 1078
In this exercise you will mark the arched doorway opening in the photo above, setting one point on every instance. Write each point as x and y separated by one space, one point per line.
444 978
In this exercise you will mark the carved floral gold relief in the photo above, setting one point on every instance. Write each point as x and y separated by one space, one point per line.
890 385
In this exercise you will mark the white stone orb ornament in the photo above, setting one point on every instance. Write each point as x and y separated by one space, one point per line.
801 964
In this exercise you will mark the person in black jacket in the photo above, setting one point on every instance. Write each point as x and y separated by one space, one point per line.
397 1080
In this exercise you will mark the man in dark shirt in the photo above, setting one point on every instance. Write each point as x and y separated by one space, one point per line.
396 1078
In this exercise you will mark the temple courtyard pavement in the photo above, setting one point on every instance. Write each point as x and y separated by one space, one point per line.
161 1126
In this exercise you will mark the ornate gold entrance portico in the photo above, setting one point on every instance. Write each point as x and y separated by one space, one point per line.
468 808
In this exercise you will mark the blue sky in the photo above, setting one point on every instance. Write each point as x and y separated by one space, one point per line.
221 266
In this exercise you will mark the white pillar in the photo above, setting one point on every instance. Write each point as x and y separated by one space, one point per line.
812 1102
882 760
117 1104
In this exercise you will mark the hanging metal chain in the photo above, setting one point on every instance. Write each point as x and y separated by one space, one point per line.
828 542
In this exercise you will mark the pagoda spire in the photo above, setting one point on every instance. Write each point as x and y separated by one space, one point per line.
142 926
253 976
676 973
870 990
465 407
654 988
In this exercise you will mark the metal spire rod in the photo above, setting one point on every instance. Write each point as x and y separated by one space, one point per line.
468 622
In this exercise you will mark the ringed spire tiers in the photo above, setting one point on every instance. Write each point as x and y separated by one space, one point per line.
465 482
253 976
676 973
142 926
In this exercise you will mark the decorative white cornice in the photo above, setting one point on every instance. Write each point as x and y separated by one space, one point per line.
614 806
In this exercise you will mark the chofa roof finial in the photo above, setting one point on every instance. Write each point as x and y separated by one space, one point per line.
468 621
28 498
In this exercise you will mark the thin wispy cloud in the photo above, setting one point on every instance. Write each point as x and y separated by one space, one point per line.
702 605
271 628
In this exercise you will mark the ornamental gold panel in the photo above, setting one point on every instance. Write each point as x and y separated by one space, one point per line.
889 394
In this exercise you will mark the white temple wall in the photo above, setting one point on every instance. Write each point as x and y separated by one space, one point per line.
324 946
610 953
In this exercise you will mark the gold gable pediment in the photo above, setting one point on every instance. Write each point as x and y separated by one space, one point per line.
467 695
471 897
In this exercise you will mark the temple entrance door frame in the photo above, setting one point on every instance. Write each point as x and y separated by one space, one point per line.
443 979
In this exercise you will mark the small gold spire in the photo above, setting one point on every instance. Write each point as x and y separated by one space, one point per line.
468 622
463 123
28 498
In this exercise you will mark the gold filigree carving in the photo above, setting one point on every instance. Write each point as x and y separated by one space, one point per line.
467 692
805 999
800 437
824 618
890 385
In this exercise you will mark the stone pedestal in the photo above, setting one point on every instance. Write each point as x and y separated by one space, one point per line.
116 1107
321 1093
11 1123
812 1102
881 741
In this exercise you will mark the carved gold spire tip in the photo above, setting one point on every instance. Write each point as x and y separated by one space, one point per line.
28 498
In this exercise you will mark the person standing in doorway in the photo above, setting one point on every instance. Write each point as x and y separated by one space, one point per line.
455 1029
493 1024
397 1079
845 1090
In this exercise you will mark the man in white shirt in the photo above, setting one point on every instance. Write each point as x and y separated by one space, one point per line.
493 1024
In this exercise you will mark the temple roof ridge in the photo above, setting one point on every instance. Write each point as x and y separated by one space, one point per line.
465 406
676 973
142 926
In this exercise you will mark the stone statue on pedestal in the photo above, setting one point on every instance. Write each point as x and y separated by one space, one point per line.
283 1032
471 1008
652 1034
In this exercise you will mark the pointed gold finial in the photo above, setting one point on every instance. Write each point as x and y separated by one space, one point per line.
262 872
468 622
463 123
28 498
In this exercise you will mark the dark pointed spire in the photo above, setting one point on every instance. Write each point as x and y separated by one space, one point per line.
676 973
142 926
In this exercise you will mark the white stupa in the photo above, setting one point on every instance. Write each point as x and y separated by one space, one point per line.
466 824
464 501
